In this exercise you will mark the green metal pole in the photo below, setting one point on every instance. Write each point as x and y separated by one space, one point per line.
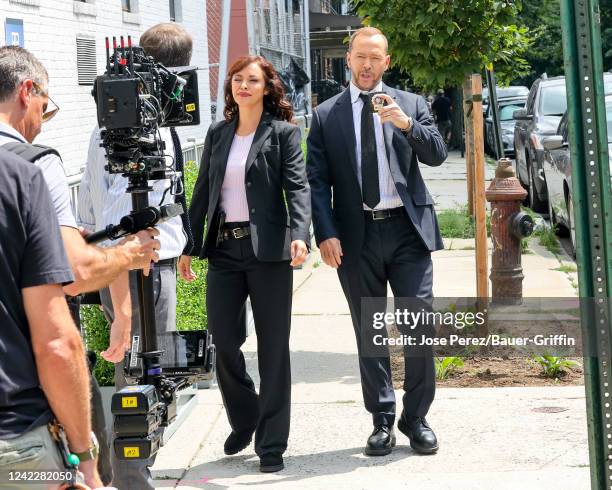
593 219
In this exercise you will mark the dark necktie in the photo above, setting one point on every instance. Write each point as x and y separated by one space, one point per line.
179 166
369 161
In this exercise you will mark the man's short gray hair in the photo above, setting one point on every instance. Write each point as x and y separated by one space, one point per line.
16 65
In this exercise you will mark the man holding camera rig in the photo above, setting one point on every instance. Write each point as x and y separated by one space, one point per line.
24 106
103 200
38 339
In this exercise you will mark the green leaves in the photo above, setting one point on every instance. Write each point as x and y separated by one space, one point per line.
445 366
439 44
554 367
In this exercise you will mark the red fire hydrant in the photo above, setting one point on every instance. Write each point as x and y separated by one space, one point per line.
508 226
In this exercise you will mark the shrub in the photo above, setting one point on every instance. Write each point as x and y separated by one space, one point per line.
96 332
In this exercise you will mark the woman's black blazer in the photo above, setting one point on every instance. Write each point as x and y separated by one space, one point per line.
274 164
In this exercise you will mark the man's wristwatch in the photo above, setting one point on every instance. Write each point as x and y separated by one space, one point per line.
92 452
408 130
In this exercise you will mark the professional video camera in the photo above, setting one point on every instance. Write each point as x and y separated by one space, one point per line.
135 98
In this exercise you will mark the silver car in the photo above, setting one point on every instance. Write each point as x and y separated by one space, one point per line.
558 173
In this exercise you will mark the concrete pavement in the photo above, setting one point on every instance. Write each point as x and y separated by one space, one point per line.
489 437
501 438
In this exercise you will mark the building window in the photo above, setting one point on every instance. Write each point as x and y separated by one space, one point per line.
126 5
173 10
85 7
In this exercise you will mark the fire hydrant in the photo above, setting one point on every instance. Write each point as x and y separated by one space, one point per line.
508 226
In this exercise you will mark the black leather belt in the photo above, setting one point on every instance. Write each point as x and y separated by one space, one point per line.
235 233
167 262
381 214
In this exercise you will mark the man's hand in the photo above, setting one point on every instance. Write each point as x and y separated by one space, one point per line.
299 252
331 252
184 267
392 112
141 249
120 338
90 473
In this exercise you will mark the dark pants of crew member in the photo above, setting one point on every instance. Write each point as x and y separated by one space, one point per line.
98 421
233 274
392 252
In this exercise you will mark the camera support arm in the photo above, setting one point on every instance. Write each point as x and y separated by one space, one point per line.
137 221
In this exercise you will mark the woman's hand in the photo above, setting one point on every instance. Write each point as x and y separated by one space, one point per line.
299 252
184 266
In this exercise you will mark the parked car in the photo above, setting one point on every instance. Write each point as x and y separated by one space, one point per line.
558 172
507 106
502 93
545 107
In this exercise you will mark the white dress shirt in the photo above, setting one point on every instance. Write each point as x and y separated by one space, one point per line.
103 200
233 192
389 198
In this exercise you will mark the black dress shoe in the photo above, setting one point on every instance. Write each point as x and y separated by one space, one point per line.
381 441
422 438
237 441
270 463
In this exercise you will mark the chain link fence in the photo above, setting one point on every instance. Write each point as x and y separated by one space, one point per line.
278 34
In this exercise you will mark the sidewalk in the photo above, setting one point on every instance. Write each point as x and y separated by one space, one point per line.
499 438
489 437
447 183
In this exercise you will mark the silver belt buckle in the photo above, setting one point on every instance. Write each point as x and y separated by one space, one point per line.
237 233
378 213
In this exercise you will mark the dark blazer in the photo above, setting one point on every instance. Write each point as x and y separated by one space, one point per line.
332 170
275 164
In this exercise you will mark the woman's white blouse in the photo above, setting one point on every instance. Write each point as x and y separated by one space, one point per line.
233 191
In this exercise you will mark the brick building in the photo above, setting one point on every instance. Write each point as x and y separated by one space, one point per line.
68 37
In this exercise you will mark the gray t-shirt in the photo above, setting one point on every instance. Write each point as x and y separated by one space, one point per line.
31 254
53 172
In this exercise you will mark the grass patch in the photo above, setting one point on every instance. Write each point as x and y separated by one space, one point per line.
457 223
566 268
548 239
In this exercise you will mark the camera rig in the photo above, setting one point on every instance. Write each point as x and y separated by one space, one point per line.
135 98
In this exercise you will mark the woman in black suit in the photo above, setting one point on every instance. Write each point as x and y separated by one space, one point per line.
253 193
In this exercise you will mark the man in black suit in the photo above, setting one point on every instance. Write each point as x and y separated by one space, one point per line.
381 225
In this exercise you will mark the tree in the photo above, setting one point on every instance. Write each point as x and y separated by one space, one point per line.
543 18
440 41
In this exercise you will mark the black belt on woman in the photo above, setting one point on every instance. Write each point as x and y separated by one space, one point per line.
235 231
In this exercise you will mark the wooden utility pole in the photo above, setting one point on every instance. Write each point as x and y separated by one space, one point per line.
475 160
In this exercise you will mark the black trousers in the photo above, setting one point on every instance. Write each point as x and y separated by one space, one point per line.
392 252
98 421
233 274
